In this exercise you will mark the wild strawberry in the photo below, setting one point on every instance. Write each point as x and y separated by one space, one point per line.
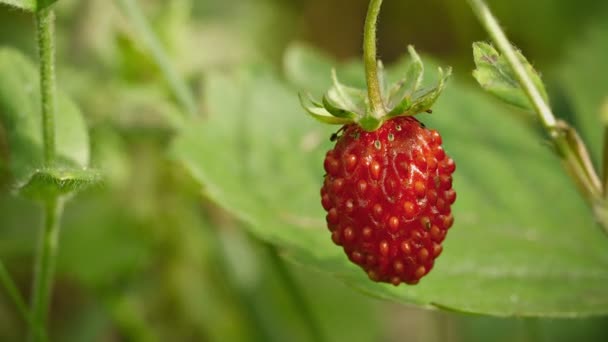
388 182
388 194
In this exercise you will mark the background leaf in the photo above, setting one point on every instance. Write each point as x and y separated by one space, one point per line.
524 244
20 115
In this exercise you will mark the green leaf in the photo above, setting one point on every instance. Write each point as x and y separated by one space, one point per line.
423 99
409 84
20 117
320 113
29 5
524 242
495 75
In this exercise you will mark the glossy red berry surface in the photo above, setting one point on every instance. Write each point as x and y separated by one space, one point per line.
388 196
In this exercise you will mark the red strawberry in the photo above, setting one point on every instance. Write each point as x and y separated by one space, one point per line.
388 183
388 194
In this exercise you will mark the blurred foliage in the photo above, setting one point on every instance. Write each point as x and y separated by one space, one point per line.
147 258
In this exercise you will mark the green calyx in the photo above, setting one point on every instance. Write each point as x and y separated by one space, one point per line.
343 105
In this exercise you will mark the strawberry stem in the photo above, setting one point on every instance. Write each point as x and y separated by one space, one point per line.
369 59
565 139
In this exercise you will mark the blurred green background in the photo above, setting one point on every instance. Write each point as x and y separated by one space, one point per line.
147 258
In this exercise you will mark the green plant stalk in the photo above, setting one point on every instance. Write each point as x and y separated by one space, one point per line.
369 59
605 164
49 237
295 293
45 262
13 293
178 86
604 117
565 140
45 30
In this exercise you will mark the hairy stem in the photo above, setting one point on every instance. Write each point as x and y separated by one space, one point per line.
568 145
178 86
498 36
45 30
369 58
45 262
295 293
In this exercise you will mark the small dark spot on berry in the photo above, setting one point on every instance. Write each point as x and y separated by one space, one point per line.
391 137
377 144
426 223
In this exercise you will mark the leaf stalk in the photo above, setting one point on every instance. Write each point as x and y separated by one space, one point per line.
565 139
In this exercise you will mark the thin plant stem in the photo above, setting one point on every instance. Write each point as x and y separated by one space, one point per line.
605 164
13 293
45 262
568 145
295 293
47 249
604 117
491 25
369 59
45 30
178 86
